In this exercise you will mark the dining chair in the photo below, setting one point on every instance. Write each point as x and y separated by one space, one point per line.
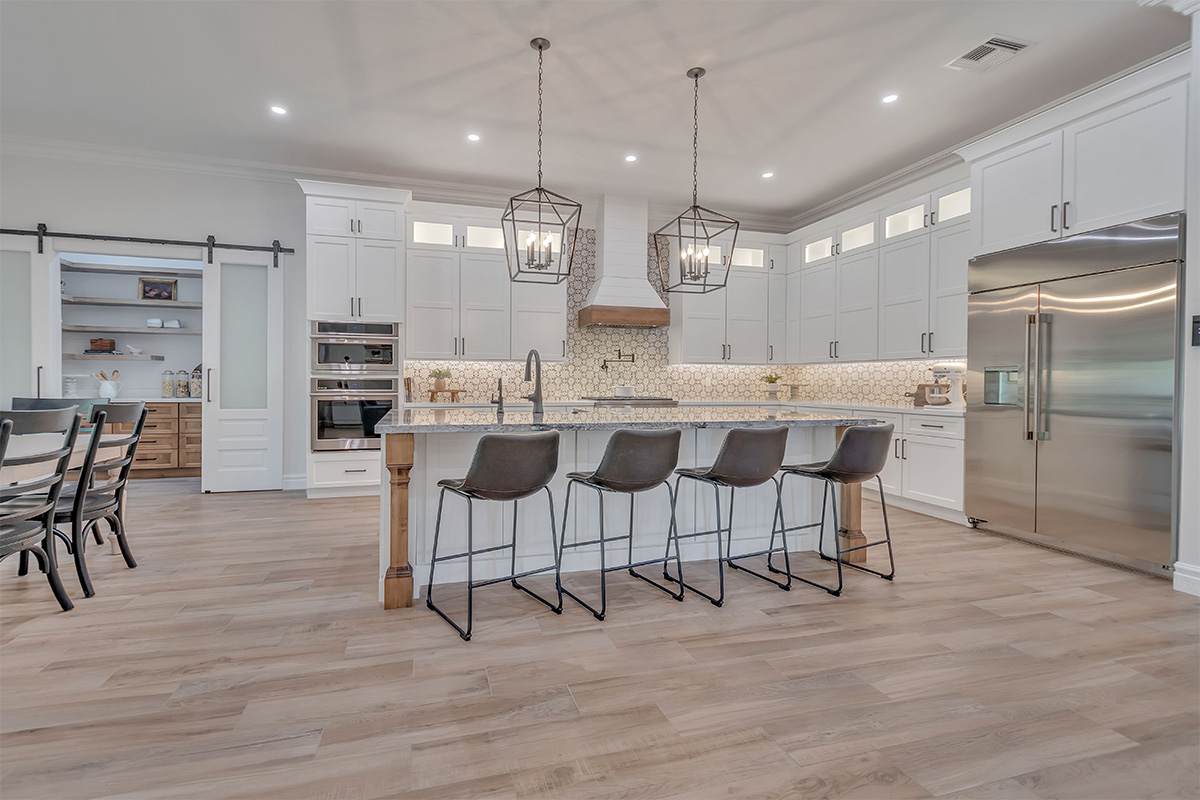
27 505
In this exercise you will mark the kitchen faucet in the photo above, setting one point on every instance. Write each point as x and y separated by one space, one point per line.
536 358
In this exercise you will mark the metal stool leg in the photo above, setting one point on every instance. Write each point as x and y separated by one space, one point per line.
557 609
437 533
719 600
887 533
672 537
776 527
827 491
597 613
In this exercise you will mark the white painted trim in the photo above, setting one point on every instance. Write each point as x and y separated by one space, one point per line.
918 507
1174 67
1185 7
1187 578
294 481
321 492
348 191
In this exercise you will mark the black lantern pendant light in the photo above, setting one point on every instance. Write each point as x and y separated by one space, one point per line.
540 226
693 251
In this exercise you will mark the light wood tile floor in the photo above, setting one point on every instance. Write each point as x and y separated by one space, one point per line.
247 657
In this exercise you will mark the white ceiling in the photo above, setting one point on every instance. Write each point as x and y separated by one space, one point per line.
392 88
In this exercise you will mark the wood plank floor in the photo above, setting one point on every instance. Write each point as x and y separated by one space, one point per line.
247 657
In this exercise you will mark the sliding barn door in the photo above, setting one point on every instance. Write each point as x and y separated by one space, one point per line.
243 372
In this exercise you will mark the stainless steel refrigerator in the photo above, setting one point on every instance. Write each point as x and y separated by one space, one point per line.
1071 392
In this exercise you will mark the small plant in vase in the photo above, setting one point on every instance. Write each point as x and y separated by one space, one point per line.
439 379
772 381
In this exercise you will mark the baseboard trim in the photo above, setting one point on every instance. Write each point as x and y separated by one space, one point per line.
928 509
316 493
294 481
1187 578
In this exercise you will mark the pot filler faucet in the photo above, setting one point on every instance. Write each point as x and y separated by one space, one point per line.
535 357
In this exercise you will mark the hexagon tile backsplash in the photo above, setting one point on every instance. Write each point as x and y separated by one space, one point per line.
879 383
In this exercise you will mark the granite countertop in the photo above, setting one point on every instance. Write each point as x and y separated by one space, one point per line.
486 421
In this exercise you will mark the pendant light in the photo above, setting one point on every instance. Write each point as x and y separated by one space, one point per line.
540 226
693 250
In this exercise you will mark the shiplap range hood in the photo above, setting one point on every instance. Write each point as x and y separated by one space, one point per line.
622 295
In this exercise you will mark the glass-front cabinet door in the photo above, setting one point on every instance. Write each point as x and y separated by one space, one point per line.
951 205
905 220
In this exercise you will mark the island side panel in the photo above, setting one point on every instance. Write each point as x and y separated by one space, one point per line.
397 581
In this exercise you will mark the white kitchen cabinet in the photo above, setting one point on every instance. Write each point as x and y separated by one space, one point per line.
458 306
817 314
819 248
777 300
1018 191
727 326
950 205
30 320
856 336
949 252
777 258
539 320
856 234
475 235
355 279
933 470
794 311
904 299
906 219
1125 163
369 219
746 327
892 473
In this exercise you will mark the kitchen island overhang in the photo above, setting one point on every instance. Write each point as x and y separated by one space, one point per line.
421 447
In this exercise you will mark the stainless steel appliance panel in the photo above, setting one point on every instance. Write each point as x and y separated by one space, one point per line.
1149 241
1001 455
345 410
1105 421
354 355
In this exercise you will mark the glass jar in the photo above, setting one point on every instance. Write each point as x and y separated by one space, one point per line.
168 383
196 384
182 382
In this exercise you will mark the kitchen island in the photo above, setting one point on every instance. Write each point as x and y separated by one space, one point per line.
422 447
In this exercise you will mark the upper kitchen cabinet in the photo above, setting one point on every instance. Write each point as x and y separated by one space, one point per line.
369 219
950 205
904 299
856 234
727 326
458 306
839 310
949 252
1120 163
777 318
777 258
539 320
916 216
454 233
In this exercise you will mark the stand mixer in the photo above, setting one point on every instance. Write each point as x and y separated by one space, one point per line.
953 373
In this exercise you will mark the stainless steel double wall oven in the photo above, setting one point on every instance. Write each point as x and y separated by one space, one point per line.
356 381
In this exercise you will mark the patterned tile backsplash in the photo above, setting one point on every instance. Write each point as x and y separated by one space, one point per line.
882 383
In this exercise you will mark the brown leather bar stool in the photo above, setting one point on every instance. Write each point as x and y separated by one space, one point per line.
505 467
749 457
860 456
634 461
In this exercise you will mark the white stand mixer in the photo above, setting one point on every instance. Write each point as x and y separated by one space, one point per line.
953 372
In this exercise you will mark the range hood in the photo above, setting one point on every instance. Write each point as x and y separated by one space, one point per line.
622 295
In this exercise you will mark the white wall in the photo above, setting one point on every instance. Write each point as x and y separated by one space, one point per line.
121 199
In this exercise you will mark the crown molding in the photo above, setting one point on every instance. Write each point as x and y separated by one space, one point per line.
1185 7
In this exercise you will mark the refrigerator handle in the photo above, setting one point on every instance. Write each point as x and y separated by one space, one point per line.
1041 432
1030 376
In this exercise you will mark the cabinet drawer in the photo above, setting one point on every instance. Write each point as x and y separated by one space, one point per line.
190 409
189 456
930 425
156 459
364 470
189 425
189 440
158 441
161 411
160 425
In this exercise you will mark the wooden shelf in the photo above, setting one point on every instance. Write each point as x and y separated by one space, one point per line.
123 269
115 301
117 357
119 329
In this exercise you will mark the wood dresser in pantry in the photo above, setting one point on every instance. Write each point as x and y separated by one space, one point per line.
170 445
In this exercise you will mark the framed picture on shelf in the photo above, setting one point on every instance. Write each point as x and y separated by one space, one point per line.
157 289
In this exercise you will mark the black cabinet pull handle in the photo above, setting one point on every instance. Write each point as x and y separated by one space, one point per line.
923 335
931 341
904 449
1053 209
896 448
208 388
356 470
1065 226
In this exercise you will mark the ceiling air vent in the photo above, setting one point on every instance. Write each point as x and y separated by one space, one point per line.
993 52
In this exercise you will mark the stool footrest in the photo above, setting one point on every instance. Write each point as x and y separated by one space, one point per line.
701 533
863 546
440 559
512 577
597 541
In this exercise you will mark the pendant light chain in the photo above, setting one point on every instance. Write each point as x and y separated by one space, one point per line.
695 138
540 117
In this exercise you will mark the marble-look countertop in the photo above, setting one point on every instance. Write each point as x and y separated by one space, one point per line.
486 421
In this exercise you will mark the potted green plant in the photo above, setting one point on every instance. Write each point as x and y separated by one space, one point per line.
439 379
772 381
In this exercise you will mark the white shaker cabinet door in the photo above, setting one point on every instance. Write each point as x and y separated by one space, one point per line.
746 317
794 285
904 299
331 285
1126 163
431 314
330 216
378 220
817 314
484 303
933 470
857 324
949 252
539 320
379 279
1019 195
777 296
892 473
703 327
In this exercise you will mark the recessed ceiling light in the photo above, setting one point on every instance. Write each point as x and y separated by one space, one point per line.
768 174
631 157
891 98
472 137
280 110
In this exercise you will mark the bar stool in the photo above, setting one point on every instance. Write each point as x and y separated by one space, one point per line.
634 461
505 467
749 457
860 456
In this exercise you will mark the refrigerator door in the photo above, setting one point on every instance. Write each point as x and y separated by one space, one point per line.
1001 455
1105 412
